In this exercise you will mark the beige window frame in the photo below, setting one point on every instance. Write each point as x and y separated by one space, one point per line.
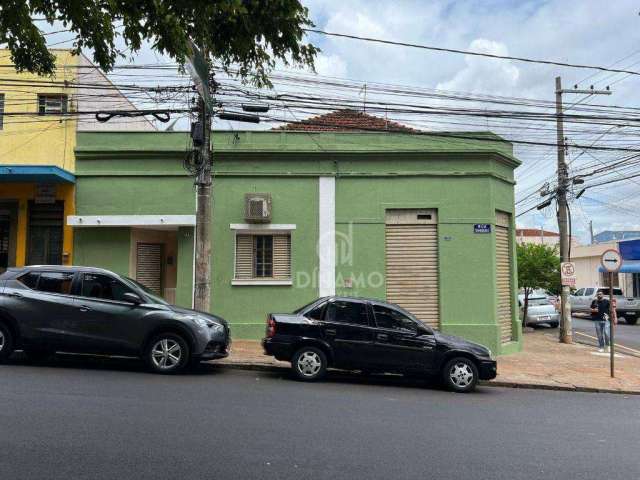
251 262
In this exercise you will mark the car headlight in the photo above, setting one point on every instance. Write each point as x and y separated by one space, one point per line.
202 321
208 323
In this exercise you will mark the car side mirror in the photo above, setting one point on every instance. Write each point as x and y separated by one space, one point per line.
132 298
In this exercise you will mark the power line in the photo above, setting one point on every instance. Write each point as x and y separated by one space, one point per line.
469 52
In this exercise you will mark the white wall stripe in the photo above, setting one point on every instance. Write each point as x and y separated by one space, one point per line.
131 220
327 236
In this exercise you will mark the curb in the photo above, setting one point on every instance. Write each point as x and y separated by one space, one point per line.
561 388
261 367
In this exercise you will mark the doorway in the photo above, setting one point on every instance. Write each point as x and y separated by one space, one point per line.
8 234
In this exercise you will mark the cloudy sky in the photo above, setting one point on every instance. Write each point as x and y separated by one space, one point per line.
582 31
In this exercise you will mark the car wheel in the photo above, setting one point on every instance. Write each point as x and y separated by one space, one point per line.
631 320
554 324
6 343
460 374
167 353
37 355
309 364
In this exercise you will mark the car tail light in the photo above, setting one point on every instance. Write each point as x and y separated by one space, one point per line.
271 326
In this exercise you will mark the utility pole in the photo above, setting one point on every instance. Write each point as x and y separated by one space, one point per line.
202 287
199 165
591 232
566 331
565 312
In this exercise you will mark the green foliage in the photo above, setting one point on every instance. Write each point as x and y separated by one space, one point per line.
250 35
538 267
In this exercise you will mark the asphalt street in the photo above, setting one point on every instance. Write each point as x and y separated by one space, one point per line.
104 419
627 335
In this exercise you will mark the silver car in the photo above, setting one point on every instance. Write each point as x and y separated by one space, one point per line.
540 311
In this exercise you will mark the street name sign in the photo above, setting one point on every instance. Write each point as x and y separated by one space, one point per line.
482 228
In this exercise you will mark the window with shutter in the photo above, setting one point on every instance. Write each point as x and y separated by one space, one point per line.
52 104
263 257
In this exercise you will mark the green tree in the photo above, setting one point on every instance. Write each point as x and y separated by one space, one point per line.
250 35
538 267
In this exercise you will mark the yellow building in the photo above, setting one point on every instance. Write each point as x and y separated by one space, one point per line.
39 118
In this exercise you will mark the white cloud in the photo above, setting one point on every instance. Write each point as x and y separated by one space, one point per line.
331 66
482 74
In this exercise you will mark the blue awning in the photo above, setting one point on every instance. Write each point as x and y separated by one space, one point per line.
629 249
35 174
628 266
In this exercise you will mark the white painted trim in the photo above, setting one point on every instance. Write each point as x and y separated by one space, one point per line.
131 220
327 236
193 263
261 227
261 282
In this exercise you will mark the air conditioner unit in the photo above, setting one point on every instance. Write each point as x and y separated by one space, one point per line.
257 207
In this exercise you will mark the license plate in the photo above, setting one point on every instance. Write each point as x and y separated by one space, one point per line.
629 313
545 317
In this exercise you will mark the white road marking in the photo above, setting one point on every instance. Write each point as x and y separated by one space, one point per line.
617 344
605 354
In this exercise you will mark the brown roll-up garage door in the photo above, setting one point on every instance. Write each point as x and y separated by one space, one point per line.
503 277
412 263
149 266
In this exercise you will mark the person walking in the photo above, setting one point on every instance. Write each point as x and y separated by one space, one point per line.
600 315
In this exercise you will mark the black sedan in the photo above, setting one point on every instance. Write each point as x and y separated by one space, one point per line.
45 309
372 336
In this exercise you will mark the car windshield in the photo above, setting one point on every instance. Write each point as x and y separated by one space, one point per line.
616 291
153 296
539 301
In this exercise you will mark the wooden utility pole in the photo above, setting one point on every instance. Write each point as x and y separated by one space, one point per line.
566 331
590 232
202 287
565 306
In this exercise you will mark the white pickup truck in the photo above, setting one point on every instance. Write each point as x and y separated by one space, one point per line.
626 307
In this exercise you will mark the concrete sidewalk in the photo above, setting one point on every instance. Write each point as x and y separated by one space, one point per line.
544 363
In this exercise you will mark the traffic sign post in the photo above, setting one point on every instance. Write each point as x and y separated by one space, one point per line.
568 274
611 261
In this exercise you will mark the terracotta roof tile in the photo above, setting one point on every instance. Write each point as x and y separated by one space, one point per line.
534 232
346 121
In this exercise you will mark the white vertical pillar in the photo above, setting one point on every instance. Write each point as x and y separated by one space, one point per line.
327 236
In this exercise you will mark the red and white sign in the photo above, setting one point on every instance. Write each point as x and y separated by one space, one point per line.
611 260
568 274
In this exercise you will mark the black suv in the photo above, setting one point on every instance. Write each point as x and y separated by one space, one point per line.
372 336
45 309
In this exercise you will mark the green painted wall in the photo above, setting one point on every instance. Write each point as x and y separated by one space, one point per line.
468 301
134 195
98 248
466 181
184 281
295 201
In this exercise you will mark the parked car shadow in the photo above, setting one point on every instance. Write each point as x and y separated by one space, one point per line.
103 363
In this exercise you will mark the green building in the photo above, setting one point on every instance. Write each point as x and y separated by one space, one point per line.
421 220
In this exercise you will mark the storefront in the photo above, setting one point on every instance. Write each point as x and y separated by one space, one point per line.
34 202
424 222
